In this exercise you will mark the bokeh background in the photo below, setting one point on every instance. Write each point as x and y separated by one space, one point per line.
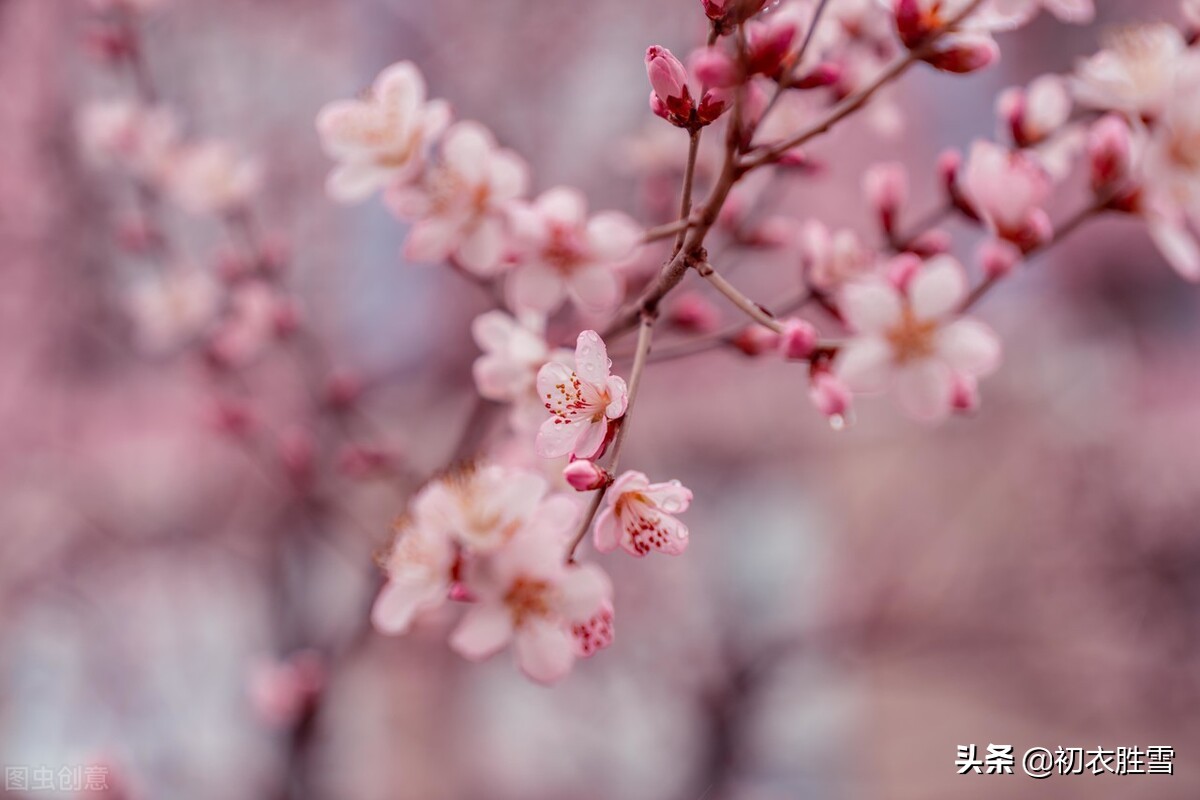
853 604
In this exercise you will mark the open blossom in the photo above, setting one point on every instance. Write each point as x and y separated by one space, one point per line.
565 254
913 340
139 138
213 178
640 516
460 205
1134 72
551 611
829 258
383 137
581 402
477 509
1171 167
172 306
1007 189
513 352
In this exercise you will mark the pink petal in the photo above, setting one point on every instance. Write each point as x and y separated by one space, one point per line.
556 438
591 358
563 205
536 287
431 240
938 288
924 389
400 601
1178 246
969 346
585 589
508 176
591 438
550 376
869 306
620 397
607 533
544 651
499 379
865 364
401 88
481 249
671 497
612 236
484 631
352 182
467 150
596 288
493 330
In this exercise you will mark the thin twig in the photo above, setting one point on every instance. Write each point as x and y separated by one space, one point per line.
751 308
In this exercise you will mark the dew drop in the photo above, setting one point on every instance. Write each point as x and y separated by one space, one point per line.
837 422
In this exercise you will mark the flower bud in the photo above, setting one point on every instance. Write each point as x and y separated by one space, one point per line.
693 312
886 188
729 13
754 340
1110 151
342 390
998 257
585 476
769 43
829 394
798 340
669 80
964 393
929 243
963 53
715 68
902 269
1034 113
822 75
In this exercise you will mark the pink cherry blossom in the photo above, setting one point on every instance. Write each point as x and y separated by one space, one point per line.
513 352
565 254
249 324
830 395
913 340
1134 73
460 206
581 403
480 507
419 569
886 188
383 137
526 594
640 516
212 177
170 307
137 137
829 259
1171 166
281 689
1008 189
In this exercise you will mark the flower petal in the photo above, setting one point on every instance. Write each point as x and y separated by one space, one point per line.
969 346
557 437
585 589
544 651
591 358
865 364
484 631
870 306
535 287
924 389
938 288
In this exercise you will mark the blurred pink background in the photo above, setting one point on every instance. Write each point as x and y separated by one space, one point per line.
853 604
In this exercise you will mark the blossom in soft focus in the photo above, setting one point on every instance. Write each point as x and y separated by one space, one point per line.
172 306
419 571
212 177
913 340
1078 12
1134 72
1171 167
480 506
1008 188
513 352
563 253
829 259
798 339
1033 113
581 403
252 321
640 516
383 137
127 133
460 206
526 594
